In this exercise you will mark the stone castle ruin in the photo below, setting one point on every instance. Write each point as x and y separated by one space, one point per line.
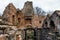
24 24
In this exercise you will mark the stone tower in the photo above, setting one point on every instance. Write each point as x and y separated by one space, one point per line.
28 8
9 14
28 12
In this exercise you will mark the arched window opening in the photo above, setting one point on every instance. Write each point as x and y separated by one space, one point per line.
40 21
13 19
18 20
52 25
46 23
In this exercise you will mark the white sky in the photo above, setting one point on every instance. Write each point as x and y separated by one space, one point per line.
44 4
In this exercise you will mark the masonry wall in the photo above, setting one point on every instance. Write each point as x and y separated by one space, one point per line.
22 18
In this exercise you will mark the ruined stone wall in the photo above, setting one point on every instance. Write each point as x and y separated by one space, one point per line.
56 18
3 37
22 18
52 21
28 9
37 21
9 14
26 18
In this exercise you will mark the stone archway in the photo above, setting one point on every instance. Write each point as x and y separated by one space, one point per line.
29 33
52 25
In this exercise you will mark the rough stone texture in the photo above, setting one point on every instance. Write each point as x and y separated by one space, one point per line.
9 14
52 22
38 21
46 34
25 18
2 37
28 9
7 32
56 18
22 18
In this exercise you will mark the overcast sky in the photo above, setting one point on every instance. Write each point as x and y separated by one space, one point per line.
44 4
